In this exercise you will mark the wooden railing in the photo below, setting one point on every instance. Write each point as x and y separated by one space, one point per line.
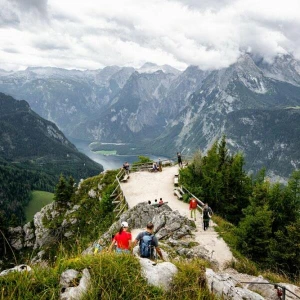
148 165
118 196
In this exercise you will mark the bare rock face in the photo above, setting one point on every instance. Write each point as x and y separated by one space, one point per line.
72 287
35 234
225 286
160 274
16 240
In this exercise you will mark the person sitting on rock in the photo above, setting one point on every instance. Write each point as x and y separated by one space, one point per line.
148 242
155 203
123 240
161 202
154 167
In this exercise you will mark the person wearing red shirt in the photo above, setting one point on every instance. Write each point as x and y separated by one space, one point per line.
123 240
193 207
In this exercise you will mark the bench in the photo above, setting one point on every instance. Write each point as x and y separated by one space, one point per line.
177 193
125 178
181 191
176 181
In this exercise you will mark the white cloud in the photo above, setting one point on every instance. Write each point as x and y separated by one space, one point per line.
95 33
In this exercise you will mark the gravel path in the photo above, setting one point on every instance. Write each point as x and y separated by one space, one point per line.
144 186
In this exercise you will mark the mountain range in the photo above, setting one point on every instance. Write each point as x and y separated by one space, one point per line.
164 110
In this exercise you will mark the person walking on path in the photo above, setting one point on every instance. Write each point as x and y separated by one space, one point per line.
179 159
207 213
148 242
193 207
123 240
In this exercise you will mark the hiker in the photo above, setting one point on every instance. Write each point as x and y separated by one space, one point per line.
126 167
148 241
123 240
155 203
193 207
207 213
159 165
179 159
161 202
149 202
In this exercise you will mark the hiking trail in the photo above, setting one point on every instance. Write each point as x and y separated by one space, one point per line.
143 186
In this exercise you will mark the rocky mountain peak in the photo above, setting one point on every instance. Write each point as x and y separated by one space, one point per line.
284 68
150 67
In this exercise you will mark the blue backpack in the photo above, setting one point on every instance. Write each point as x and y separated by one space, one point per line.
146 247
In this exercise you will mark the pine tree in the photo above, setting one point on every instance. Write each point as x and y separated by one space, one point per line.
254 233
71 189
285 250
61 195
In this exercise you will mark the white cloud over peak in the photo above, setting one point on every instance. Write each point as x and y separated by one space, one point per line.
92 34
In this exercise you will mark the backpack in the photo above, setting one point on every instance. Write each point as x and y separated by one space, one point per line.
206 213
146 247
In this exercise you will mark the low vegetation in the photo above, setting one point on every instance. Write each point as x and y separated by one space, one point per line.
112 277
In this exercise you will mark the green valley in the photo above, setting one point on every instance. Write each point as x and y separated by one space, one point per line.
38 200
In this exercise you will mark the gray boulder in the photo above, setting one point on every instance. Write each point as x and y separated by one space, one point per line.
71 289
160 275
226 287
20 268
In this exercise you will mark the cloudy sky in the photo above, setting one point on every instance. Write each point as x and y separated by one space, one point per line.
91 34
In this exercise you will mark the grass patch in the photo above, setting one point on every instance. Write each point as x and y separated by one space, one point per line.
38 200
190 281
113 276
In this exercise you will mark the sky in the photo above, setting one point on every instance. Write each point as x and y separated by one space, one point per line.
92 34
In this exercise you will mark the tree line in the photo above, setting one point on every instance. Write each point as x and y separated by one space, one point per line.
266 216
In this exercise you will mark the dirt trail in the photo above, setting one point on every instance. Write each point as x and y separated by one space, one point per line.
144 186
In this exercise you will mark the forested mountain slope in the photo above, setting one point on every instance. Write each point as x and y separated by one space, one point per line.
33 153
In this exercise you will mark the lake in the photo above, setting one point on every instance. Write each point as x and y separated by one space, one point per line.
109 162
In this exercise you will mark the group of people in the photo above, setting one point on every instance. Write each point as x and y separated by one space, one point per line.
156 203
148 243
206 212
122 242
157 166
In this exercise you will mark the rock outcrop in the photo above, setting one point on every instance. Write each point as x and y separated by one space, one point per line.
168 224
74 284
160 274
224 286
20 268
37 234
